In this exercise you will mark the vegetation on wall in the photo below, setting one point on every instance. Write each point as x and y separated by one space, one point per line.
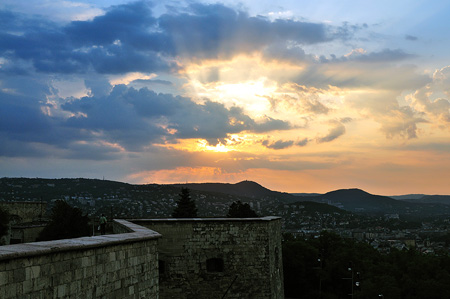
66 222
324 268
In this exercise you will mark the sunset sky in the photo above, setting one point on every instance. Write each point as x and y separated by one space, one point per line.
299 96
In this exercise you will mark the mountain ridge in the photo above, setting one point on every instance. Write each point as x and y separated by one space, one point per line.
353 200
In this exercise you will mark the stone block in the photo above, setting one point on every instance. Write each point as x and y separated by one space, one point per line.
19 275
61 291
131 290
32 272
112 256
28 286
41 283
4 278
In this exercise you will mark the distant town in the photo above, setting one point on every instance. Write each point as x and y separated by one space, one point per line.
398 225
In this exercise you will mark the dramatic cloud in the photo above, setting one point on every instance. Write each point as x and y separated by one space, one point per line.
126 118
127 38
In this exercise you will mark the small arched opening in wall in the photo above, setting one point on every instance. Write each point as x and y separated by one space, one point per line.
214 265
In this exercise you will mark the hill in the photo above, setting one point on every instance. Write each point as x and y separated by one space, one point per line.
356 200
117 199
245 188
441 199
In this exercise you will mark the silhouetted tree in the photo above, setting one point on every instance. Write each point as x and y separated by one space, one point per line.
186 207
241 210
4 221
66 222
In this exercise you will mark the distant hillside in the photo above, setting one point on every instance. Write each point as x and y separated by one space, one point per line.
316 207
123 200
306 194
357 200
441 199
213 199
407 196
245 188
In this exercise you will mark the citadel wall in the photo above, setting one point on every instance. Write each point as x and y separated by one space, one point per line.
27 211
196 258
207 258
123 265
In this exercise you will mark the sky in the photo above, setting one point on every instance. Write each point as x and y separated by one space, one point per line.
299 96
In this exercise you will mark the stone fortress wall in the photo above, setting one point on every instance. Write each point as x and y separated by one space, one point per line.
26 221
123 265
26 211
211 257
163 258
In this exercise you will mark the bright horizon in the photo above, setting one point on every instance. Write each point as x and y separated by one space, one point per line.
298 96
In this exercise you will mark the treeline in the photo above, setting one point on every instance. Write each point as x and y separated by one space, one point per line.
332 267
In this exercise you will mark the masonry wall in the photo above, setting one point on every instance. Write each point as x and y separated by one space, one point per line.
249 248
110 266
27 211
26 234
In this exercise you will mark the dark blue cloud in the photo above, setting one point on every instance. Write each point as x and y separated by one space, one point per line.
107 44
135 118
121 22
129 38
153 81
211 31
26 130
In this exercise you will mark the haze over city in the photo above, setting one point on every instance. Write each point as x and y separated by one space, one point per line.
299 96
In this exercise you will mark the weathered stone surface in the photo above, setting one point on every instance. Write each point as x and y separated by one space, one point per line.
199 258
250 250
83 267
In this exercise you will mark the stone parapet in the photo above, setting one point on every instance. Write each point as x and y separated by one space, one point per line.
121 265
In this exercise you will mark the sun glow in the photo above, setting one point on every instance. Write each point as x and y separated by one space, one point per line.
218 148
250 95
244 81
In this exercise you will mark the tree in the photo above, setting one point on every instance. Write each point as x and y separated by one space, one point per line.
4 221
241 210
186 207
66 222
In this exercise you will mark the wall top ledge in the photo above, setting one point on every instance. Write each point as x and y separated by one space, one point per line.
267 218
136 233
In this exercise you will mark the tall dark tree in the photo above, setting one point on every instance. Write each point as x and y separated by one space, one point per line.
186 207
66 222
241 210
4 221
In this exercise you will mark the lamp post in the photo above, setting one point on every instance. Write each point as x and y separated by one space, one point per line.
350 269
320 276
319 259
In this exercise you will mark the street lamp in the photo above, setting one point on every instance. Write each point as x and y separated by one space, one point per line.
350 268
